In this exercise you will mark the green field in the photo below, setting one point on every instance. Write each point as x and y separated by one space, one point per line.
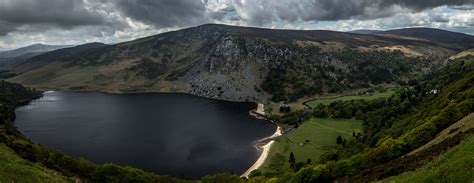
312 139
456 165
15 169
372 96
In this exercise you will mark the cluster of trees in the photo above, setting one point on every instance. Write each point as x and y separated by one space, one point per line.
285 109
306 73
376 114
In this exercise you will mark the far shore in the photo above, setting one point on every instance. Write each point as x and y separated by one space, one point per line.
119 92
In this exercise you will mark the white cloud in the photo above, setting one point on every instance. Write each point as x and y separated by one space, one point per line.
442 17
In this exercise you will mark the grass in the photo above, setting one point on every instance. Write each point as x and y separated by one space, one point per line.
372 96
455 165
312 139
15 169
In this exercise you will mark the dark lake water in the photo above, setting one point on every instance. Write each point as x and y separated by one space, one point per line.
172 134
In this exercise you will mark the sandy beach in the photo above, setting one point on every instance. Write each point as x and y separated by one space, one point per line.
265 148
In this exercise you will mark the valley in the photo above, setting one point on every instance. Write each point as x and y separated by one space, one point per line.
352 107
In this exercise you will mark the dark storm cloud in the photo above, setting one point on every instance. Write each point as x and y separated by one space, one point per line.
55 13
426 4
164 13
68 14
5 28
260 12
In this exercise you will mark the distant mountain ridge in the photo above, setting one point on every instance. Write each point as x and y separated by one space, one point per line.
9 57
242 63
454 39
365 31
35 48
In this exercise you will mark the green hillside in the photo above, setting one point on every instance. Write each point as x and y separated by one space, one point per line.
15 169
392 127
372 96
309 141
456 165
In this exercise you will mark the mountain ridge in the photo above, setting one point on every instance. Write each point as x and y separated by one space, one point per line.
34 48
237 63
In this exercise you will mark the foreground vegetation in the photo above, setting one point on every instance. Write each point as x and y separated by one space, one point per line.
456 165
309 141
15 169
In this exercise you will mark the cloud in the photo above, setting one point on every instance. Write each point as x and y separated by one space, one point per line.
425 4
261 12
164 13
442 17
77 21
66 14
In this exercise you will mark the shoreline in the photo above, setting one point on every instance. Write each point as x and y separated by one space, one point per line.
264 145
116 92
265 148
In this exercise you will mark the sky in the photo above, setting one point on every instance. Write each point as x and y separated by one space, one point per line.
73 22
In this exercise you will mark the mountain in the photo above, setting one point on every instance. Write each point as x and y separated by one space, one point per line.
44 59
239 63
365 31
452 39
7 58
35 48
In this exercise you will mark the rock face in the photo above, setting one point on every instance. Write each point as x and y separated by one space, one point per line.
225 62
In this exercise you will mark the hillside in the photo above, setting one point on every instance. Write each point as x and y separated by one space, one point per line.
20 54
35 48
365 31
455 165
400 133
238 63
454 40
15 169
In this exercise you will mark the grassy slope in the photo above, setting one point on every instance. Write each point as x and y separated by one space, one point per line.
373 96
456 165
15 169
322 135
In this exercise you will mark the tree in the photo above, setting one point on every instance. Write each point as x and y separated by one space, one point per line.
292 160
339 140
285 109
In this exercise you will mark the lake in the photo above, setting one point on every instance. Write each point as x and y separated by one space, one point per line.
170 134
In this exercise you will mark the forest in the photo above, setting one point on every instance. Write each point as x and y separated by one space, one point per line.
309 74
